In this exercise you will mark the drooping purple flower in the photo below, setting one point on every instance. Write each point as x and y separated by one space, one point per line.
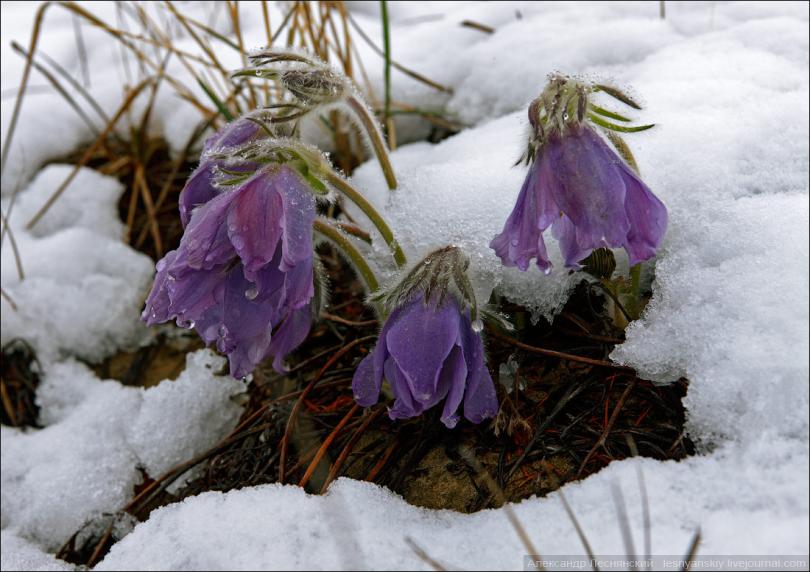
243 273
430 348
429 353
581 188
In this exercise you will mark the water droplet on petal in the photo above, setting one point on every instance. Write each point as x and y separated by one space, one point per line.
477 325
252 292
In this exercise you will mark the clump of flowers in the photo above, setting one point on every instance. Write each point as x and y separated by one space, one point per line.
430 348
243 275
590 196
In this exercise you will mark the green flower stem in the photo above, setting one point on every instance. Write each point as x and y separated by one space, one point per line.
357 198
635 290
387 49
375 135
342 242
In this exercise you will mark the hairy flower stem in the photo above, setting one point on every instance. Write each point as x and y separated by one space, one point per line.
374 134
350 251
635 290
357 198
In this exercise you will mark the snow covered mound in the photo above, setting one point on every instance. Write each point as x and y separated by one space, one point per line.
727 86
97 434
83 287
19 554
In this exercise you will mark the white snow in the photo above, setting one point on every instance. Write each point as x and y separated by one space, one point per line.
82 288
727 86
84 462
19 554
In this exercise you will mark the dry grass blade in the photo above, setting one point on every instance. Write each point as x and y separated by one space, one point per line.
325 446
624 521
560 355
122 37
146 195
293 414
8 299
90 151
81 49
15 114
171 177
609 427
497 492
424 556
15 251
478 26
409 72
580 532
57 85
575 522
233 9
336 466
570 394
689 559
645 500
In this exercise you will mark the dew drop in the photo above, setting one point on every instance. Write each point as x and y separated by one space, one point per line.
477 325
252 292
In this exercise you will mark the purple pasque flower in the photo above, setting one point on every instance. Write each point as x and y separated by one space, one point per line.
243 273
430 350
581 188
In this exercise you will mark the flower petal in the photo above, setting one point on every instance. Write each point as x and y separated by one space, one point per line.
205 241
454 379
289 335
405 406
299 283
199 189
232 134
480 399
194 292
366 385
254 222
566 233
157 304
647 216
522 236
299 214
420 342
585 178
